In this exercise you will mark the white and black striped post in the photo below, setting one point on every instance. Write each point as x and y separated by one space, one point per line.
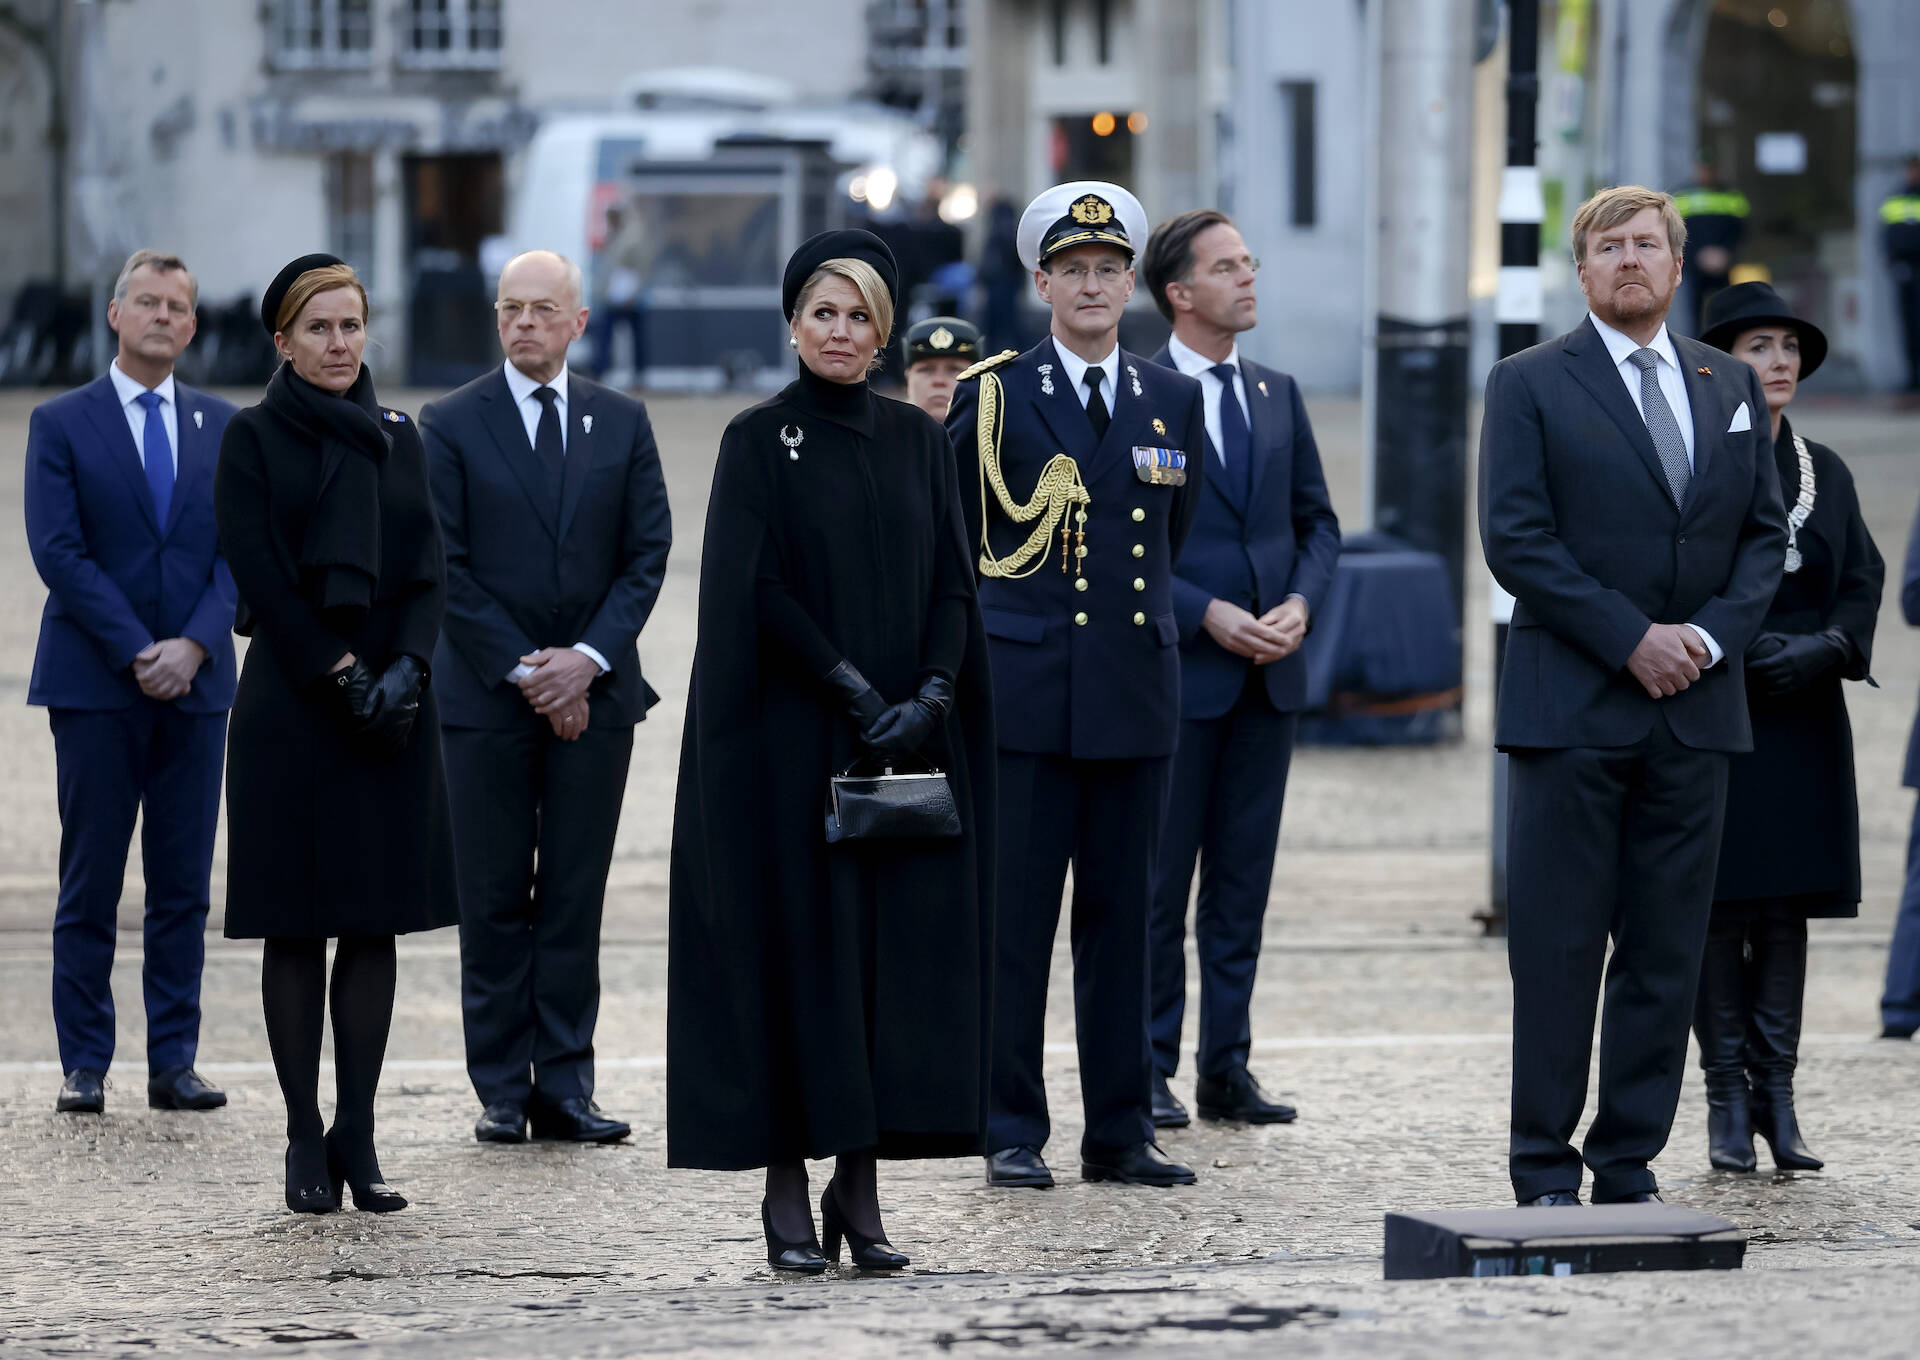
1518 312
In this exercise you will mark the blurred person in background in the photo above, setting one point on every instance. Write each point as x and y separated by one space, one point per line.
1900 1002
135 667
1900 235
1716 219
938 350
337 823
620 279
1003 278
1791 847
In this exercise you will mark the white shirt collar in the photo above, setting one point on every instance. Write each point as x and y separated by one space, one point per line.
523 387
1620 345
129 388
1076 370
1192 362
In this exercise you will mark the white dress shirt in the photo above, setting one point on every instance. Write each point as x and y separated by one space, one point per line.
1673 386
130 391
530 408
1075 369
1197 365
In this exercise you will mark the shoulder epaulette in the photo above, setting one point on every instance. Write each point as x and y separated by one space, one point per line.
988 365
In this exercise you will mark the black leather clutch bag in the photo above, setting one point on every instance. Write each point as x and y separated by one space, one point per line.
889 806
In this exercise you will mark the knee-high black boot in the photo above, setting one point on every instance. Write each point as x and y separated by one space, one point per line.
1773 1039
1720 1024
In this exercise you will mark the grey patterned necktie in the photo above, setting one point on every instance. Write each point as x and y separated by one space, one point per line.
1667 440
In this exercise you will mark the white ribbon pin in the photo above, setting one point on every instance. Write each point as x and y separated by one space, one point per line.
197 419
586 424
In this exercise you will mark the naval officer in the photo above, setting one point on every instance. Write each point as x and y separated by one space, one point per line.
1080 468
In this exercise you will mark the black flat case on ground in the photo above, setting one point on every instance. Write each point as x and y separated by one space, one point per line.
1577 1240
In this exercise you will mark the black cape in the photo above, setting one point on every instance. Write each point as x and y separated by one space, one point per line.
1792 839
825 999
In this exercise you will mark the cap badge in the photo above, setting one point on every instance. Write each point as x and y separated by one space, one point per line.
1159 425
1091 211
942 338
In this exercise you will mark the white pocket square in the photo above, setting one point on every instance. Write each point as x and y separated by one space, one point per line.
1742 420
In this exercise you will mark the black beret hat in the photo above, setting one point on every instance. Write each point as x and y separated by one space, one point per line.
277 290
1733 311
942 337
838 245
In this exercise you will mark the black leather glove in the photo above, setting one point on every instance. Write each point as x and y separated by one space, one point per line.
908 726
355 694
1782 663
398 693
861 701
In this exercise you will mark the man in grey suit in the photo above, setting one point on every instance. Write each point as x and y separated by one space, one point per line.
1630 505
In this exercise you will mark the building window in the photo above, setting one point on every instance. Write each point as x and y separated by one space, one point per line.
450 34
320 35
350 200
1297 121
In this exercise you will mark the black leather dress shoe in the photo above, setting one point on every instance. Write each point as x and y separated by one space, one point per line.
576 1120
1895 1032
501 1122
83 1092
1553 1199
1017 1167
1141 1164
182 1088
1168 1112
1635 1197
1238 1096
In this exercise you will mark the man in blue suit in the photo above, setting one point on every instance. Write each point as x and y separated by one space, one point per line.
1900 1004
135 668
1245 587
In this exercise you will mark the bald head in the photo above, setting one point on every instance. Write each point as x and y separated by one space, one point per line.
542 273
539 312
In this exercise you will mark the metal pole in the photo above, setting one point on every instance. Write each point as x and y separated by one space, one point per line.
1517 309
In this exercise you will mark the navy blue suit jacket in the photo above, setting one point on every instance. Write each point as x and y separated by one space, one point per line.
1108 687
1283 541
1910 608
518 579
1579 525
117 579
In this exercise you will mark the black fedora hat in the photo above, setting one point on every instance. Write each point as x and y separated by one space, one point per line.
1746 306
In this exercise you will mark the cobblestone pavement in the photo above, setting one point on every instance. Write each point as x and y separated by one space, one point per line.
1380 1012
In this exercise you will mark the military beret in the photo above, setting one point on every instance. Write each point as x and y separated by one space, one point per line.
1084 212
277 290
942 337
851 244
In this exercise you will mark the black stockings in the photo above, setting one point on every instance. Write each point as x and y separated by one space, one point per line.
293 987
856 1192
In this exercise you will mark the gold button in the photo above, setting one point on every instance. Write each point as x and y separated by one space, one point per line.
1080 619
1139 584
1139 550
1139 619
1080 583
1138 514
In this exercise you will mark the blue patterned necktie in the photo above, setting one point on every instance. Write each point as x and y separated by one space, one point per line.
158 454
1667 439
1236 447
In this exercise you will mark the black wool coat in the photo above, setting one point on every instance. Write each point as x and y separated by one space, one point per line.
1792 835
325 837
824 999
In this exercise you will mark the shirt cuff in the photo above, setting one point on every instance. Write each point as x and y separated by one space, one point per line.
519 673
1714 654
600 661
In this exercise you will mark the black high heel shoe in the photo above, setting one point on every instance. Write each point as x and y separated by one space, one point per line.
308 1191
373 1196
803 1257
869 1253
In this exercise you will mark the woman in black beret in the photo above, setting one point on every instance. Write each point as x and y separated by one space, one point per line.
1791 849
829 1000
336 805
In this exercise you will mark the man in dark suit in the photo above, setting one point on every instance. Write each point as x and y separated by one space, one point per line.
1900 1002
1255 567
1629 504
1090 458
555 515
135 667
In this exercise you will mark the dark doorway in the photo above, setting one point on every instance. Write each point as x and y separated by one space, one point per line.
453 204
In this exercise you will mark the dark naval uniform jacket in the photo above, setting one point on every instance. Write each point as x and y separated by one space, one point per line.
1086 661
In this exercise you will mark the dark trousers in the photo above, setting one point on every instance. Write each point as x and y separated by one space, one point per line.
1103 818
154 761
1619 843
1900 1003
533 825
1229 780
1907 302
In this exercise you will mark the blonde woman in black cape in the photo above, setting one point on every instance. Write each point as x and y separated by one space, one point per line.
830 1000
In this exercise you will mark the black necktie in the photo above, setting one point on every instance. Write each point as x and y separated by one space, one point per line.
1097 404
1236 449
548 445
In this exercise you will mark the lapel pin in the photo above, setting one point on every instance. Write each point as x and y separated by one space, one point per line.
1703 369
1159 425
198 420
586 424
394 416
1046 378
793 441
1262 384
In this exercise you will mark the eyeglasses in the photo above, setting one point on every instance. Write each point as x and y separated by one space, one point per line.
1226 269
1106 273
511 308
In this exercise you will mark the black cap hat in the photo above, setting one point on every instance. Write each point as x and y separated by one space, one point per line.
942 337
277 290
851 244
1746 306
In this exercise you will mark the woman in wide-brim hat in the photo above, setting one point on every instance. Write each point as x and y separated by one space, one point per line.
1791 849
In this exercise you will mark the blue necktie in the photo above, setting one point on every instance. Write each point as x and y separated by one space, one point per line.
159 455
1236 448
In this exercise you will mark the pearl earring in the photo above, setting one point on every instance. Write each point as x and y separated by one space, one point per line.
793 342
